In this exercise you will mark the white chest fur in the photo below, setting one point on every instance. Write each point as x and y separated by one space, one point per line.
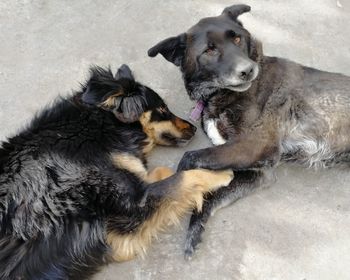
210 127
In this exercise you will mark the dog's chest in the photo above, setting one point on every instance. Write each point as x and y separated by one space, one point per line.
222 122
211 129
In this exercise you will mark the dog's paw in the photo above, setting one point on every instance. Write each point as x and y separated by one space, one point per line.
190 246
188 255
226 176
220 179
193 239
188 161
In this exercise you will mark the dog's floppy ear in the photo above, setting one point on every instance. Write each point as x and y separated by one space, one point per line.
124 72
104 91
127 108
235 10
100 85
173 49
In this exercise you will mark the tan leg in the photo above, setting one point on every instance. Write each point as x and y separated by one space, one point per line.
158 174
186 191
125 254
208 180
129 162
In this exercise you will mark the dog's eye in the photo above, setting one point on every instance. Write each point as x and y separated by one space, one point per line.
163 110
236 40
234 36
211 50
168 137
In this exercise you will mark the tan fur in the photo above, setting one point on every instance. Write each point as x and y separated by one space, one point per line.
180 124
130 163
190 190
154 130
148 147
158 174
135 166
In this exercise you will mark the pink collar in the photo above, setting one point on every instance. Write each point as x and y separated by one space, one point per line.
197 111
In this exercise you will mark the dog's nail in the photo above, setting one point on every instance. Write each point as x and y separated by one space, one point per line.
188 255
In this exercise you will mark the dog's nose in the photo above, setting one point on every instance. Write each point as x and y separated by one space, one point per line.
246 73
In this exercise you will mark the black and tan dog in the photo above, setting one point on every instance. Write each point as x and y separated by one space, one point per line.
74 189
258 110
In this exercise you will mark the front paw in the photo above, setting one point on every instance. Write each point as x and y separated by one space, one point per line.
188 161
220 179
189 252
226 177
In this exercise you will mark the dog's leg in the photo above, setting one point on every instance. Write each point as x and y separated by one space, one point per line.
244 183
190 181
259 148
158 174
131 163
177 194
135 165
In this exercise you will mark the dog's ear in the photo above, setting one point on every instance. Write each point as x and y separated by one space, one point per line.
124 72
127 108
235 10
100 85
173 49
104 91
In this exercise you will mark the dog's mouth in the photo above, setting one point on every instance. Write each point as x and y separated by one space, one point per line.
203 94
183 142
204 90
238 83
240 88
171 140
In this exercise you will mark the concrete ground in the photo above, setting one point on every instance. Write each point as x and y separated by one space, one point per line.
298 228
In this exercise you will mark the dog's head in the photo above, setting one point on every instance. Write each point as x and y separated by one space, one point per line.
132 102
216 53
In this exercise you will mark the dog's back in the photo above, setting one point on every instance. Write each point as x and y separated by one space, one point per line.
39 169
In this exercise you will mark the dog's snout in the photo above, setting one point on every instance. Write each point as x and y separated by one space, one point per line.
192 128
187 129
189 132
246 73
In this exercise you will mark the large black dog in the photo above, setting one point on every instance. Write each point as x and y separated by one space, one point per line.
258 110
74 189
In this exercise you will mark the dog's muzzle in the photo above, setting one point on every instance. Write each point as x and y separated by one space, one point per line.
241 79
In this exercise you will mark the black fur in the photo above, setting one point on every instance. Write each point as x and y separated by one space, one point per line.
59 191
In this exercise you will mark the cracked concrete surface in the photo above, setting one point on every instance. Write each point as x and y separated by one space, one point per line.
298 228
